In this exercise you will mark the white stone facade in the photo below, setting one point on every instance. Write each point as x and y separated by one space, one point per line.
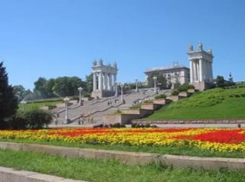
200 65
104 79
173 74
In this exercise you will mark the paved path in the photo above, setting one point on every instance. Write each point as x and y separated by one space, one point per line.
158 125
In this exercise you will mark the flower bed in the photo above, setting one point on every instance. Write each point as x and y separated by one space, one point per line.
221 140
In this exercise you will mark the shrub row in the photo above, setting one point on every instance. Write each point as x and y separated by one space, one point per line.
31 119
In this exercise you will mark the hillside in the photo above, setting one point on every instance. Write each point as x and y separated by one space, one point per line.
218 103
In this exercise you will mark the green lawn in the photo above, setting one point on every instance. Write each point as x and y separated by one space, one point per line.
33 105
211 104
109 171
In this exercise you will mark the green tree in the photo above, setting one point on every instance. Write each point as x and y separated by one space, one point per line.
220 80
88 85
8 101
20 92
161 81
40 90
67 86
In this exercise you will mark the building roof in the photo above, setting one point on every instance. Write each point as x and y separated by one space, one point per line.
166 68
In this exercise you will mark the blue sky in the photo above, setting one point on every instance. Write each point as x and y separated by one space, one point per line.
52 38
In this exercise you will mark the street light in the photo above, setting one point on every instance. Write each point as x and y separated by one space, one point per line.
116 90
121 84
23 104
136 85
66 100
155 84
80 95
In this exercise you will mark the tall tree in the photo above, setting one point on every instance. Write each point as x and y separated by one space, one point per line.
88 83
8 101
40 88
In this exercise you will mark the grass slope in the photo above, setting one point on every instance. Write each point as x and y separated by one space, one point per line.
110 171
212 104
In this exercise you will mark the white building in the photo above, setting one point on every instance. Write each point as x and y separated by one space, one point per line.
174 74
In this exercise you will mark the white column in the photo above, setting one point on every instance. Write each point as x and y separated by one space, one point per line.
100 81
115 80
191 72
94 81
211 72
197 71
109 81
200 70
204 69
105 81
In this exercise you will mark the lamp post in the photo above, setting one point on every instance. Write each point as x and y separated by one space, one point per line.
116 90
80 95
23 104
66 100
136 85
155 84
121 91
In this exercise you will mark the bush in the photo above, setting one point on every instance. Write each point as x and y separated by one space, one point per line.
175 92
161 96
37 119
18 122
148 102
87 95
136 106
117 125
185 87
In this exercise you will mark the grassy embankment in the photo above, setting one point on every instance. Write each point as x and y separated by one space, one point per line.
33 105
110 171
212 104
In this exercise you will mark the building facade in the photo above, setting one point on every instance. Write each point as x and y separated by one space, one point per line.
173 74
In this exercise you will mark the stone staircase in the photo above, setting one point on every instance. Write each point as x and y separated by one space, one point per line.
94 110
147 108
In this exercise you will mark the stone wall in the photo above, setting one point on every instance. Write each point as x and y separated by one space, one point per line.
239 121
132 158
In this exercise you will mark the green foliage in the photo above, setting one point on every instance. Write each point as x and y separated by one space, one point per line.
117 125
21 92
220 81
148 102
175 92
161 81
185 87
215 103
161 96
61 86
8 101
87 95
19 121
136 106
118 112
98 170
88 86
36 118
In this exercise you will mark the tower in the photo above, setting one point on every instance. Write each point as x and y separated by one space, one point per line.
201 71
